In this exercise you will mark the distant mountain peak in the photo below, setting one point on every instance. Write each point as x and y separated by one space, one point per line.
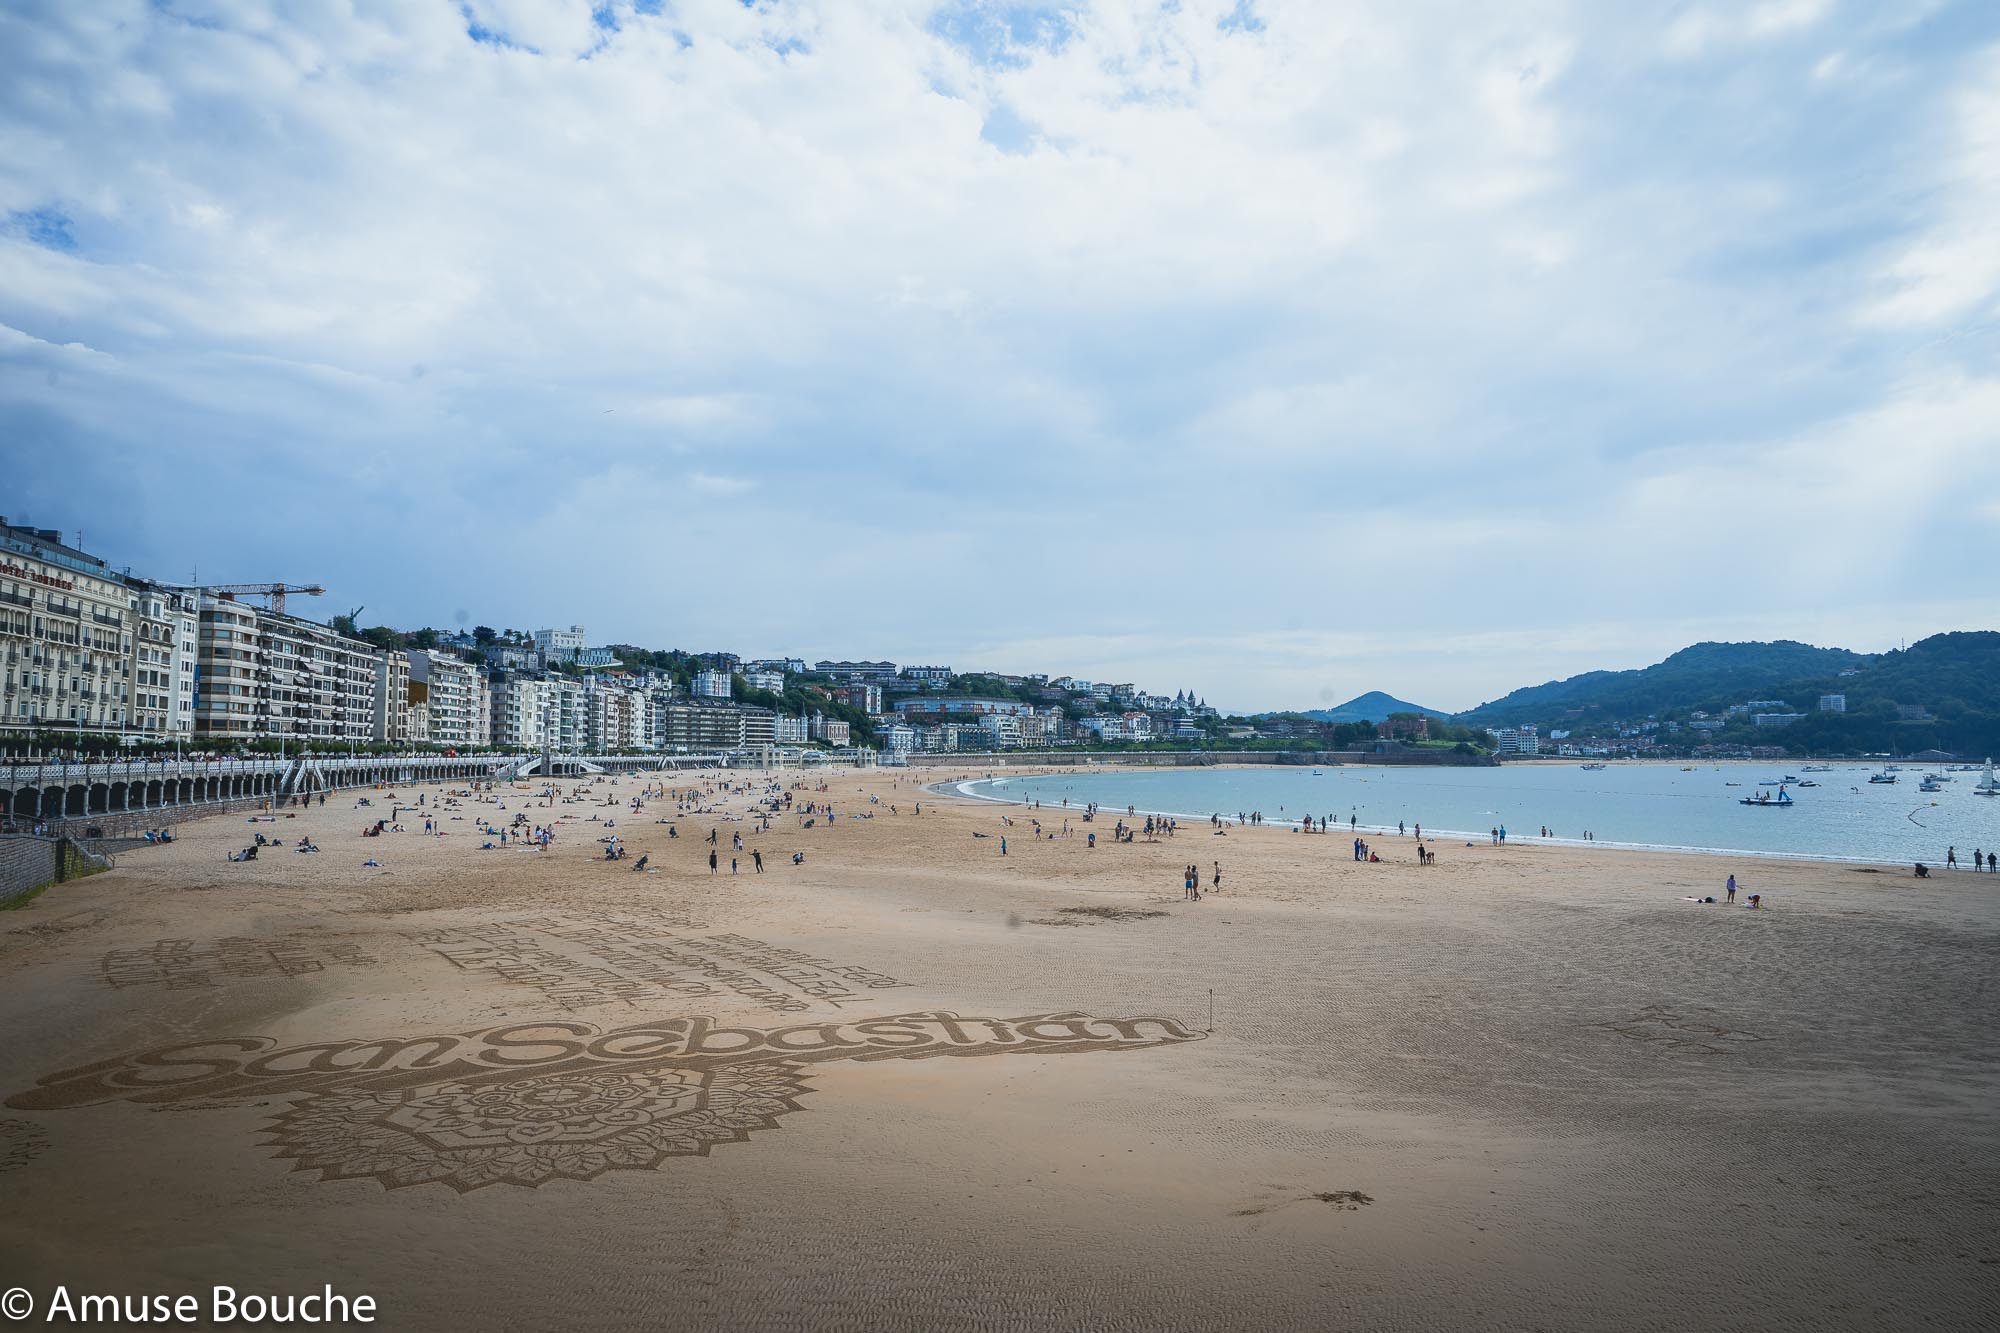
1373 706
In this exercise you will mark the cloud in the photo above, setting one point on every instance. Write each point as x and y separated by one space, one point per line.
1953 266
1182 324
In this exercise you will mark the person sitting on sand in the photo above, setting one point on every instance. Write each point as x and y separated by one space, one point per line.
640 864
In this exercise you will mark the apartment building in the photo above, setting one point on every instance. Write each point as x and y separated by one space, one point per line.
67 626
165 653
791 730
712 685
454 692
708 725
265 674
392 705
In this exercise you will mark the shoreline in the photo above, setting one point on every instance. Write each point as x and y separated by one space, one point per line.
954 788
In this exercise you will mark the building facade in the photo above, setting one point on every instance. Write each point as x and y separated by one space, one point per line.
67 623
262 674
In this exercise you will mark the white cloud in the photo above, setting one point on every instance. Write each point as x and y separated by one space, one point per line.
1473 323
1953 267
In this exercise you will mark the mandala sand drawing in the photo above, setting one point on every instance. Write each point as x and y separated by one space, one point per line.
528 1103
532 1130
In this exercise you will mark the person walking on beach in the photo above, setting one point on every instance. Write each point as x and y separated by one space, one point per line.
711 860
1951 858
757 859
1187 884
1003 844
1732 889
1215 884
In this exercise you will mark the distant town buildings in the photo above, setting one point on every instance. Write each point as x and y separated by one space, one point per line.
1517 740
878 672
560 645
1833 703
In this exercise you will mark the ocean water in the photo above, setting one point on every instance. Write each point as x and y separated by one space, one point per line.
1634 805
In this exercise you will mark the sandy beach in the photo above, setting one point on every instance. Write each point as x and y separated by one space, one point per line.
1524 1088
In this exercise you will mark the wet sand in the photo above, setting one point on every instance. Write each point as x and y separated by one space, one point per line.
1524 1088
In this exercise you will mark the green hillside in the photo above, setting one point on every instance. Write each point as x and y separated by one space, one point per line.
1953 678
1707 675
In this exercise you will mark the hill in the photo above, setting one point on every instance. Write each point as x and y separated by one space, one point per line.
1942 693
1707 675
1371 707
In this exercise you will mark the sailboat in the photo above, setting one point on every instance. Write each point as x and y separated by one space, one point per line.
1986 786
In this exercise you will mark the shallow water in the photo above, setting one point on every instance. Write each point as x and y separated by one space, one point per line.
1641 805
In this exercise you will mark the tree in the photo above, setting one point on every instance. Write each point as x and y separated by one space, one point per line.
483 634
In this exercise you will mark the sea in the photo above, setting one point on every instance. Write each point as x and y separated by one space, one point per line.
1662 807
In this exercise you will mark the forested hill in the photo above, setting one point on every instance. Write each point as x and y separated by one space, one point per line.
1716 674
1953 679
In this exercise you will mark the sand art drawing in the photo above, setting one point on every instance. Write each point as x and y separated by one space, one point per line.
185 965
527 1103
580 962
21 1141
1656 1024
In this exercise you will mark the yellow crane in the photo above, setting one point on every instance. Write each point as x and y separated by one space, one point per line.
275 593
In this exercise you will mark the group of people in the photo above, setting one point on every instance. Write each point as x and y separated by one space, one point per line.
1991 865
1191 882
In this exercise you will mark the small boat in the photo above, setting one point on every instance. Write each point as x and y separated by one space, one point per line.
1936 777
1807 782
1774 782
1884 778
1319 772
1928 786
1765 798
1986 786
1791 777
1817 768
1732 784
1592 768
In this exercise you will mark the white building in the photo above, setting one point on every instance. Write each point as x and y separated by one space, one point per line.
164 658
791 730
712 685
1517 740
831 730
454 693
765 679
560 645
1833 703
1003 728
67 623
390 707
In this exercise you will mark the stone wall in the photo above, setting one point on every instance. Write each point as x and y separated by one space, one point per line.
26 864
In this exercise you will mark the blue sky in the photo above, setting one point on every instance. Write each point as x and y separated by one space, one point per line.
1281 350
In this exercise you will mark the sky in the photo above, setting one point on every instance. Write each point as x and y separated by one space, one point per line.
1277 349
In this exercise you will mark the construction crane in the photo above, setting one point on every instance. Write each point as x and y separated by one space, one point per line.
275 593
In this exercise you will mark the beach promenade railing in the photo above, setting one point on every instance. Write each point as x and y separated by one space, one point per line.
54 794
